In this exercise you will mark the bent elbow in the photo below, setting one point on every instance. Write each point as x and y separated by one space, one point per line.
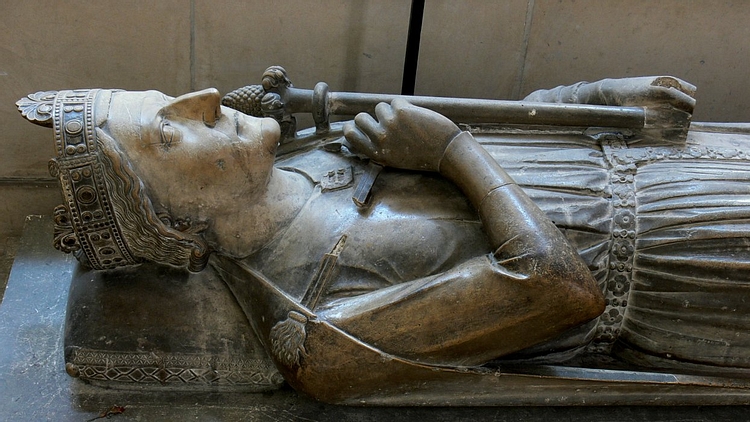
567 280
585 298
582 298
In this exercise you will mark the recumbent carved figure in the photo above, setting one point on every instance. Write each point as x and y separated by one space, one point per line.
473 251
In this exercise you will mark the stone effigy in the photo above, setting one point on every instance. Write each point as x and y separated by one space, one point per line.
544 247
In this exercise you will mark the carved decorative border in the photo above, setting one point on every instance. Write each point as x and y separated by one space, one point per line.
622 243
172 369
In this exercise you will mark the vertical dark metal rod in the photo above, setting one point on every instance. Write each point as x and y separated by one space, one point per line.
413 38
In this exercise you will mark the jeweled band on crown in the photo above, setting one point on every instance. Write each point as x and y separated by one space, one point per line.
86 223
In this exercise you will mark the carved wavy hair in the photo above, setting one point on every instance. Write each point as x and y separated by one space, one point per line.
146 235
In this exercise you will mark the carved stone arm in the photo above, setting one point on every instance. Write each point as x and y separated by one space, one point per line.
641 91
532 288
668 101
525 241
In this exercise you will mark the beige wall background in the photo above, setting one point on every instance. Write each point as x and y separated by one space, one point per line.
473 48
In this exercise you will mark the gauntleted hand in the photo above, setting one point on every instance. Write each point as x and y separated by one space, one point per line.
641 91
650 90
404 136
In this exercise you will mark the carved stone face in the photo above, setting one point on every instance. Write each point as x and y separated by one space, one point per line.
194 155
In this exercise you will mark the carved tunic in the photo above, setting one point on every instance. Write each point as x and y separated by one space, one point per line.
690 273
663 229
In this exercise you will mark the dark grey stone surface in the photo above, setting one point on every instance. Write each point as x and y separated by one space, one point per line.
34 385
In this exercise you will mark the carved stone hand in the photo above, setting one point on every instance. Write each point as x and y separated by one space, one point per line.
641 91
403 136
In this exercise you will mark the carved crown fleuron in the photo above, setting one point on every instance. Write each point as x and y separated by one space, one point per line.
38 107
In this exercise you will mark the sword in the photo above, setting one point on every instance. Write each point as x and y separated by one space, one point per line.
277 97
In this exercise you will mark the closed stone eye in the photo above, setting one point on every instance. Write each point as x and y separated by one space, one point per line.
169 135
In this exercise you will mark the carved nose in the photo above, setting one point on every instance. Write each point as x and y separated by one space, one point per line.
202 105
